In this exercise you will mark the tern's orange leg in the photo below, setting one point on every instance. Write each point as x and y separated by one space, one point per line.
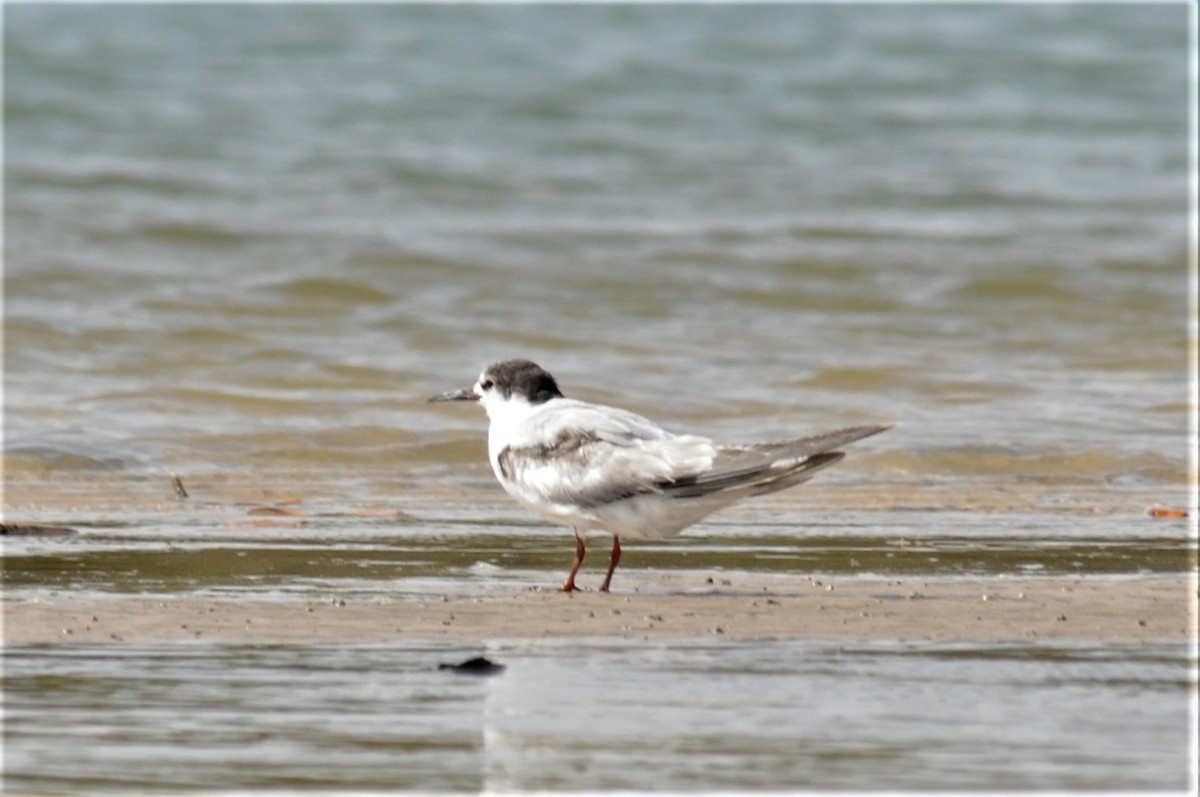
580 552
612 563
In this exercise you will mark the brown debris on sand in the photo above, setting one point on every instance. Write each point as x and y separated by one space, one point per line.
35 530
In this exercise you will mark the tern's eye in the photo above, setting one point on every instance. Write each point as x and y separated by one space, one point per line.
486 384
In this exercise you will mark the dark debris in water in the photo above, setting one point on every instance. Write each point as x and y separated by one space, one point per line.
476 666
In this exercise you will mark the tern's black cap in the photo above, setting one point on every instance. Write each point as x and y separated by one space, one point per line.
521 378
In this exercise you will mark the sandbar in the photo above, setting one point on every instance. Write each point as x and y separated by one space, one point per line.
1128 609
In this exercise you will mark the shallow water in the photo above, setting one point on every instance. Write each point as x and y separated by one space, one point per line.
415 558
257 238
680 717
244 244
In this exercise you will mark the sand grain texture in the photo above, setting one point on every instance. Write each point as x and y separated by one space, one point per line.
1155 608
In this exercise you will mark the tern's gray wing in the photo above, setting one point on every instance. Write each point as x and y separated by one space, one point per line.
579 468
767 467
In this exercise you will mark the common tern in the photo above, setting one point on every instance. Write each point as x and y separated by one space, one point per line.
594 467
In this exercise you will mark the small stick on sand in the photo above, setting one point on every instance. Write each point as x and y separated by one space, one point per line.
177 483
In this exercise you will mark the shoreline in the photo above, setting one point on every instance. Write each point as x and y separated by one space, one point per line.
1135 610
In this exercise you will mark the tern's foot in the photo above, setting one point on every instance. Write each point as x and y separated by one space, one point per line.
569 587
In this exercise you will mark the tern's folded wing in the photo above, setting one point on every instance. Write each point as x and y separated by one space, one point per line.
817 444
580 468
768 466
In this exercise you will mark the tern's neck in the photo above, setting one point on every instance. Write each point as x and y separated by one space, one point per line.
505 428
508 414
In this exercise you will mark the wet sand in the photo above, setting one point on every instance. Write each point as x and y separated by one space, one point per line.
1157 608
677 604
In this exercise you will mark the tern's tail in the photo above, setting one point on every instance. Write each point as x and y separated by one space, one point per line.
759 468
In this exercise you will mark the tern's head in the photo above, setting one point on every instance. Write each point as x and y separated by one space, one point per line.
506 383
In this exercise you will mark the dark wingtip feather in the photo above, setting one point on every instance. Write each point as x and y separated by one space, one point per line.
817 444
